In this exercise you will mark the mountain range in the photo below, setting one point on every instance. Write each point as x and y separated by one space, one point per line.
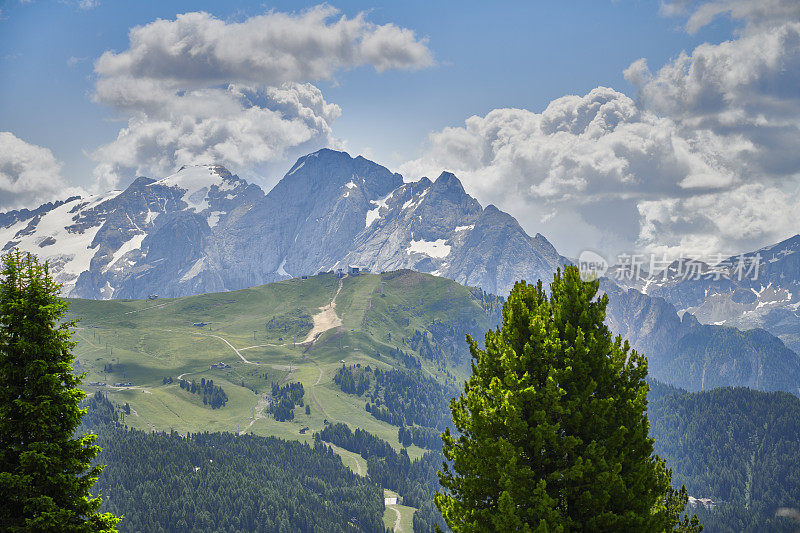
759 289
205 230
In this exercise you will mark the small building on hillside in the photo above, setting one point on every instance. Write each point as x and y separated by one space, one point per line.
220 365
353 270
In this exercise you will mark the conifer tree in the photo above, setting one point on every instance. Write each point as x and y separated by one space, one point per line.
552 429
45 471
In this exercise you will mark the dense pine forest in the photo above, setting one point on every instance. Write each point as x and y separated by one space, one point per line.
416 481
226 482
737 446
399 397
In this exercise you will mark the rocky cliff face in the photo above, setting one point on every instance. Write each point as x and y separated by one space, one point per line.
203 229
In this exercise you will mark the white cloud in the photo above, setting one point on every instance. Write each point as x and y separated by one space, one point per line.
754 12
705 160
240 127
586 160
197 49
88 4
29 174
198 89
741 219
745 88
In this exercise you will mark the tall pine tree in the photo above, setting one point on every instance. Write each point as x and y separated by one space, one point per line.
552 426
45 472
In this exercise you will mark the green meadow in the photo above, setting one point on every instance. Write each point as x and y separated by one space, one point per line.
258 334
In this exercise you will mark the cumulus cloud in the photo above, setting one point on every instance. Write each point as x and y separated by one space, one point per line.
197 88
741 219
29 174
701 13
578 170
704 160
240 127
743 89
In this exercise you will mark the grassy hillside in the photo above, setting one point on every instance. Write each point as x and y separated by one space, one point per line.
261 335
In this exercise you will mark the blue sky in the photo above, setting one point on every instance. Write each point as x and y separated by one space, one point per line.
489 55
486 56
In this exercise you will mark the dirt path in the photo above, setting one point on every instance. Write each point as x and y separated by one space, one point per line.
314 394
350 455
324 320
397 512
231 346
259 346
157 306
130 387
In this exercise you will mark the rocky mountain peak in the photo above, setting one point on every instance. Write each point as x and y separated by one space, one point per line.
447 181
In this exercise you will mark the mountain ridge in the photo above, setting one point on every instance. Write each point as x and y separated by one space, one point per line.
203 229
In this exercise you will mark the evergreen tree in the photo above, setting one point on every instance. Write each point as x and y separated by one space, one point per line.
552 425
45 473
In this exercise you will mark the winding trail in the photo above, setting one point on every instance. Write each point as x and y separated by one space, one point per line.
231 346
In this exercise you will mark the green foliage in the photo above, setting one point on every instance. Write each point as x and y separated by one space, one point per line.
416 481
212 395
226 482
737 446
421 436
284 399
410 397
45 472
552 427
352 379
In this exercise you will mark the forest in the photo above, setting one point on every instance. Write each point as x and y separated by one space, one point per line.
284 400
399 397
225 482
416 481
212 395
738 446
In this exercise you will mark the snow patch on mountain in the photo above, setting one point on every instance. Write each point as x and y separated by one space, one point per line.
54 238
134 243
213 218
436 248
375 214
197 267
282 271
197 181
